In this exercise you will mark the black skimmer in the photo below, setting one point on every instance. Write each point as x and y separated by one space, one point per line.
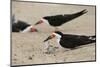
71 41
21 26
58 20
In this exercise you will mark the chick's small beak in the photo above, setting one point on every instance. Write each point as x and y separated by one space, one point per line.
50 37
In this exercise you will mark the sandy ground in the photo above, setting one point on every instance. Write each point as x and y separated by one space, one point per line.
28 48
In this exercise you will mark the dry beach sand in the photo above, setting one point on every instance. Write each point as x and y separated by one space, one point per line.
28 48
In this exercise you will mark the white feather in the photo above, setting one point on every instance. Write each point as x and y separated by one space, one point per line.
58 39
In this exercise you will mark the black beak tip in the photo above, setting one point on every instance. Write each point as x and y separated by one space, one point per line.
45 40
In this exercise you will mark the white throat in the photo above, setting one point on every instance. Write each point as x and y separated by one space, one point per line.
58 37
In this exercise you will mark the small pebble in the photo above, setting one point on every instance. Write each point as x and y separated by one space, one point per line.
30 58
14 59
15 55
32 55
54 55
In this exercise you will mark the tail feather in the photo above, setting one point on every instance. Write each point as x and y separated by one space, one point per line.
75 15
83 11
80 13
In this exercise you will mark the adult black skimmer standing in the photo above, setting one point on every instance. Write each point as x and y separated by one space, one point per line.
71 41
58 20
21 26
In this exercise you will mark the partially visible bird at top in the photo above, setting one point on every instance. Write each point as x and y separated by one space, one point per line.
21 26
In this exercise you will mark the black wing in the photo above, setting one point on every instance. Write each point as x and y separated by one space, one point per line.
56 20
71 41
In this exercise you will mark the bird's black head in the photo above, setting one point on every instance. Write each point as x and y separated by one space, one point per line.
58 32
54 34
45 18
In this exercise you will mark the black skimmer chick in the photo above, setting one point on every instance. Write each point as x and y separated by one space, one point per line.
21 26
58 20
71 41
